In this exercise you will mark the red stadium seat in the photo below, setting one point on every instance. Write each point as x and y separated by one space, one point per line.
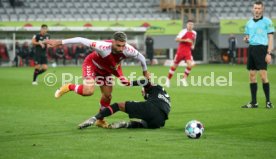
3 53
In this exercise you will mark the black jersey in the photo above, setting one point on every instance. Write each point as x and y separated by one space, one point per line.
159 97
39 38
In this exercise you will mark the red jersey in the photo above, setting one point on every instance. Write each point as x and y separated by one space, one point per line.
185 47
102 61
108 64
105 60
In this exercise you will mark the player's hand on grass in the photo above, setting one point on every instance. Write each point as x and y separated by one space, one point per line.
146 74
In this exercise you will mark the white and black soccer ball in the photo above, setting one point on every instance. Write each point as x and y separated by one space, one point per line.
194 129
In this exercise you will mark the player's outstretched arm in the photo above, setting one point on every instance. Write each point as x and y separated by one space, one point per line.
142 59
77 40
84 41
146 74
130 52
53 43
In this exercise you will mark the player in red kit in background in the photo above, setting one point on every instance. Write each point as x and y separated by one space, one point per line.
186 39
100 65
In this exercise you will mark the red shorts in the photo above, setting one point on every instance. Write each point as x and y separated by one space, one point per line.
101 76
180 56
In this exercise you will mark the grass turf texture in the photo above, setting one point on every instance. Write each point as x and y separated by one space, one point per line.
35 125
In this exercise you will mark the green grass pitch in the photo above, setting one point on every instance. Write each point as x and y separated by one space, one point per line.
34 125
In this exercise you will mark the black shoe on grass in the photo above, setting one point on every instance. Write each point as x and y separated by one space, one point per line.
269 105
250 105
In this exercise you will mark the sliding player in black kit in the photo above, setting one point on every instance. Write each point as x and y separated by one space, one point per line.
152 113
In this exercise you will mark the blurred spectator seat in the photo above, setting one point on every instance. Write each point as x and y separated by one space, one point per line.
4 56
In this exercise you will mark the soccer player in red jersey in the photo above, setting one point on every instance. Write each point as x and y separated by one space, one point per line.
100 65
186 39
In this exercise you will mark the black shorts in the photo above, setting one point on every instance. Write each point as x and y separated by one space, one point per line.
146 111
40 58
256 57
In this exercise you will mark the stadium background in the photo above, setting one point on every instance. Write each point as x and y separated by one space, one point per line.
35 125
98 19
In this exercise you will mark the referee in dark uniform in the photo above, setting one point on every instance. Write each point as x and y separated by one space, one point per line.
259 32
151 113
40 56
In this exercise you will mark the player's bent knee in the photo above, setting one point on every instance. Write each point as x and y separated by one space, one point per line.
88 91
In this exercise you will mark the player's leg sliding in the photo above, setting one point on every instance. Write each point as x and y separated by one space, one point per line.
130 124
102 114
118 125
87 123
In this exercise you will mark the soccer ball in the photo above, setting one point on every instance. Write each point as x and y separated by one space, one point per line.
194 129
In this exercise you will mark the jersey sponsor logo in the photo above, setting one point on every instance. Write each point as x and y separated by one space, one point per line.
88 70
162 97
130 52
104 48
93 44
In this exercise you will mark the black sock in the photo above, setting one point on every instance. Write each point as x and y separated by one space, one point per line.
266 91
41 71
107 111
253 89
36 72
